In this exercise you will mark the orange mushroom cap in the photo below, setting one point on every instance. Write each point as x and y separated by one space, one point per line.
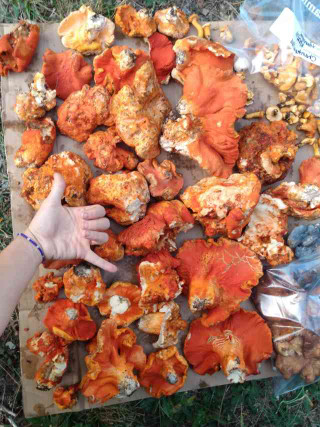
112 250
121 303
165 372
43 343
217 275
237 345
162 55
164 181
111 364
66 72
52 369
309 171
163 221
70 321
18 47
56 264
83 283
66 397
47 287
134 23
172 22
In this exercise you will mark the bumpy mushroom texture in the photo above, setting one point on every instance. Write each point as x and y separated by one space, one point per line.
112 250
86 31
237 345
43 343
121 303
83 111
310 126
126 193
135 23
36 143
66 397
18 47
165 372
139 110
267 150
101 147
56 264
165 322
66 72
309 171
83 283
35 103
37 182
264 233
162 55
47 287
201 127
172 22
223 206
112 363
217 276
117 66
158 230
70 321
164 181
52 369
285 76
302 200
158 278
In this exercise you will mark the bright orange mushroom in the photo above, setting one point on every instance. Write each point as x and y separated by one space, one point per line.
121 303
135 23
56 264
42 343
52 369
66 397
70 321
112 250
165 372
237 345
172 22
309 171
162 55
47 287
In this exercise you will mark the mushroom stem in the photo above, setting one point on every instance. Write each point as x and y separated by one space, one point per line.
193 19
207 31
255 115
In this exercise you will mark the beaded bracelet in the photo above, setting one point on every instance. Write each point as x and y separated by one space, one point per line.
34 244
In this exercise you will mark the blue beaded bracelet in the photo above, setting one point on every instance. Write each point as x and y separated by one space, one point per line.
34 244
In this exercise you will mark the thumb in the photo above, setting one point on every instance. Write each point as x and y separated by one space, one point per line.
57 190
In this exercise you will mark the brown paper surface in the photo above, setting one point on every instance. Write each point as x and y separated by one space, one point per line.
38 402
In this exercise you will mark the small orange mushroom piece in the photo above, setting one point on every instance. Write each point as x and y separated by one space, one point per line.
218 276
237 345
18 47
70 321
47 287
42 343
56 264
121 303
165 372
162 55
111 364
65 72
135 23
52 369
164 181
66 397
83 283
309 171
172 22
112 250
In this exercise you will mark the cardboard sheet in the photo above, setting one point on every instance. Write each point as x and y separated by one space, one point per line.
37 402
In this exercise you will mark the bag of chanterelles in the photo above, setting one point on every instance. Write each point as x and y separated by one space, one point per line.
288 297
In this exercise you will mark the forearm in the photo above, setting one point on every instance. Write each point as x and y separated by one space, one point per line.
18 264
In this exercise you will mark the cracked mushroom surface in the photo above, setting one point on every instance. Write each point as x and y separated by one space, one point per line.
83 283
37 182
18 47
111 364
267 150
223 206
52 369
37 143
164 181
70 321
165 372
237 345
66 72
217 276
47 287
138 110
83 111
201 126
267 226
86 31
65 397
35 103
112 250
166 322
42 343
162 55
158 229
135 23
309 171
172 22
126 194
121 303
102 148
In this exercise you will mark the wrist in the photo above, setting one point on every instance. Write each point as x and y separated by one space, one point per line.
29 244
38 244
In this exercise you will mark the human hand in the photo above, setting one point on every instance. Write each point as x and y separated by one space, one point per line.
66 233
